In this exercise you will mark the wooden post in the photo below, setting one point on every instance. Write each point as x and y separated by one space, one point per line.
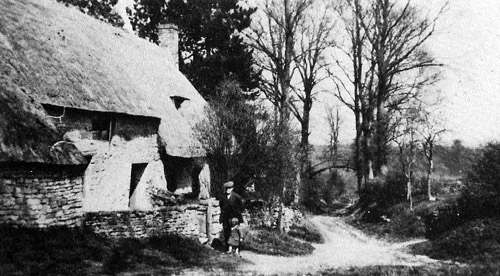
209 221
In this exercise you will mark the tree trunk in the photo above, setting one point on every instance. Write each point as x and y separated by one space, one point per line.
304 148
380 134
280 217
409 188
409 195
359 161
370 175
367 148
429 180
358 90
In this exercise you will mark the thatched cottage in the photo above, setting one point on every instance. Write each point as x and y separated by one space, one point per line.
92 118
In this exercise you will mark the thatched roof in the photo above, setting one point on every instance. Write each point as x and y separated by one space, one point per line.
66 58
25 133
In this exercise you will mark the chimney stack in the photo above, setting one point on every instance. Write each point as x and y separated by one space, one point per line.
168 37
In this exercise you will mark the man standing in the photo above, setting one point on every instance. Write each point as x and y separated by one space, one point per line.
231 206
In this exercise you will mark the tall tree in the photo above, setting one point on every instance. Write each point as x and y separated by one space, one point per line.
293 37
355 84
211 48
273 36
396 34
389 66
313 40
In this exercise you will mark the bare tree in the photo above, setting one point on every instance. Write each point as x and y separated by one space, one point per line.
407 141
389 66
430 131
273 37
291 38
397 35
355 86
314 37
334 123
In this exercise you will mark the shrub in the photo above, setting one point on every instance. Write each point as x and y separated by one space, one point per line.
386 192
485 171
477 240
377 197
442 220
480 198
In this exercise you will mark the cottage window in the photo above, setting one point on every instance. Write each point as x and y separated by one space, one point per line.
102 129
177 100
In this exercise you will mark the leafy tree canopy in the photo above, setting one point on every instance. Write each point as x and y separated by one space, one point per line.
210 48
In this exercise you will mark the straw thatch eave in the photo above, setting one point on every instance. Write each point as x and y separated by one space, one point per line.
67 58
25 133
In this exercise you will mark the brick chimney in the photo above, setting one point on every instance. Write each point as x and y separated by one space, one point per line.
168 37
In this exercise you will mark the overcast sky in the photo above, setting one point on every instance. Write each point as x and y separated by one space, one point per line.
467 41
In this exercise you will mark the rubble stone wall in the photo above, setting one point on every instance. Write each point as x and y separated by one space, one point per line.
187 220
41 197
267 218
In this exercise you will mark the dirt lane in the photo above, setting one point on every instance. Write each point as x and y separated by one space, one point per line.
344 246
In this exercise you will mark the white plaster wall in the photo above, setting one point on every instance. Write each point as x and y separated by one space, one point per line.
153 177
107 178
204 179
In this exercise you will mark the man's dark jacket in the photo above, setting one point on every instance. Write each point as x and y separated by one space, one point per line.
231 207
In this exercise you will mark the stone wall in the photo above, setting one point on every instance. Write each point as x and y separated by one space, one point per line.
41 196
269 218
187 220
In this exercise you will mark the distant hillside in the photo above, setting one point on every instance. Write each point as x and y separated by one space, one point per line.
449 160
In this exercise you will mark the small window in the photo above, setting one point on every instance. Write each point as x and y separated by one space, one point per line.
177 100
102 129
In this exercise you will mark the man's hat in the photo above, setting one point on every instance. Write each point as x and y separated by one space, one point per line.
229 184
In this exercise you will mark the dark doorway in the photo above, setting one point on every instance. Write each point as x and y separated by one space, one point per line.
135 177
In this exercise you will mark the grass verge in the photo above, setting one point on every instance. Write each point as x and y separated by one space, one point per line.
272 242
306 231
396 222
63 251
474 242
442 270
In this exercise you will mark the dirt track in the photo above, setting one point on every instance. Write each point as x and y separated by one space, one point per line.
344 246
